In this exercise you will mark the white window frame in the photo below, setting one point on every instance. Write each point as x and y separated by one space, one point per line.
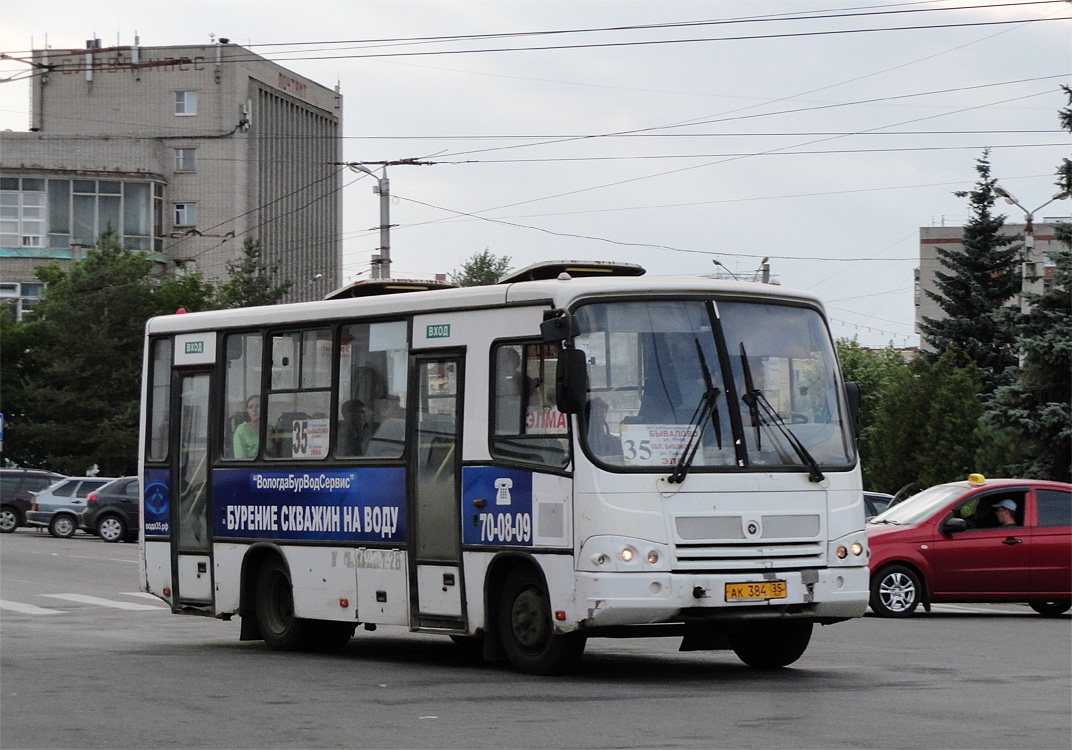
185 103
184 214
27 210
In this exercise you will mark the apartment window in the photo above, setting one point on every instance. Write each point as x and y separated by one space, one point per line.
185 103
186 214
22 213
184 160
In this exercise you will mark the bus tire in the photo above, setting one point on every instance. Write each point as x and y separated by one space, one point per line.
771 645
527 632
279 627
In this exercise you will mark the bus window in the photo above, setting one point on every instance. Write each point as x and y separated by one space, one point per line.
373 360
242 396
527 423
160 398
299 397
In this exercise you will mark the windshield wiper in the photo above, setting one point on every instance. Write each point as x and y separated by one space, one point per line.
705 410
756 401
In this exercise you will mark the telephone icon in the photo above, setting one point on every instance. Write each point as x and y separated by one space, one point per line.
502 490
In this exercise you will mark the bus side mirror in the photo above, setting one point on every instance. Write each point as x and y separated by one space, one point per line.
852 397
571 381
558 325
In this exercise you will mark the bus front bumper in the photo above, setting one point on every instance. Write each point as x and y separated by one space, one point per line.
825 594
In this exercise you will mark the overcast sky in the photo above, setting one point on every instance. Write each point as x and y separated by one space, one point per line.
664 133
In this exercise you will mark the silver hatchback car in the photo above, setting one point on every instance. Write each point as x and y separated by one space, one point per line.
59 507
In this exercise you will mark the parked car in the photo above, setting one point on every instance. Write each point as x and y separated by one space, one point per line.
876 502
948 544
112 511
16 493
60 506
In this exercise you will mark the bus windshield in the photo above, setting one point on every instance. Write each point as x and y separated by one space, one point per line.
732 384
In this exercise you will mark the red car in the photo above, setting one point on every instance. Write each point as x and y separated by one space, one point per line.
984 540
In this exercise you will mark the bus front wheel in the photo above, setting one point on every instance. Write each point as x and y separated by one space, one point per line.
280 629
771 645
526 629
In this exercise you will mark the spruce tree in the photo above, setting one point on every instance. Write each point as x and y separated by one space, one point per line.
982 278
1034 412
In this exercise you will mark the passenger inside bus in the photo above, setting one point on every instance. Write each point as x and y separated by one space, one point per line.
356 429
246 439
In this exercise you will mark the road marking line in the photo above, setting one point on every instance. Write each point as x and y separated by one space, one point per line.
83 599
28 609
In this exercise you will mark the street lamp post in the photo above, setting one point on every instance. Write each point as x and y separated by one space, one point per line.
1029 237
381 264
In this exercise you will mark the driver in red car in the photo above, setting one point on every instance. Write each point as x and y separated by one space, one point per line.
1005 510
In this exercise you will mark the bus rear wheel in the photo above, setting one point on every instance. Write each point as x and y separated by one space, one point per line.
526 630
279 627
771 645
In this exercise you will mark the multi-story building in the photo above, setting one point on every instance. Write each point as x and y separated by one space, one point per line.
185 152
1036 265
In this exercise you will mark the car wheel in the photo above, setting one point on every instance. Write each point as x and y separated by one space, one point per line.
771 645
9 520
279 627
62 526
111 529
1052 609
895 591
526 630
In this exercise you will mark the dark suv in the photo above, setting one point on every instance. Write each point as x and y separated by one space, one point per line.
16 493
112 511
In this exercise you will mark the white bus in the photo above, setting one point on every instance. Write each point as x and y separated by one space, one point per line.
519 466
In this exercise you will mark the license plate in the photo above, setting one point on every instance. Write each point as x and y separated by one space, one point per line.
745 592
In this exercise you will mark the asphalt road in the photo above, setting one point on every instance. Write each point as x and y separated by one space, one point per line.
88 662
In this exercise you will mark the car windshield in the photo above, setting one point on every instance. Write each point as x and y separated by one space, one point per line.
920 507
740 384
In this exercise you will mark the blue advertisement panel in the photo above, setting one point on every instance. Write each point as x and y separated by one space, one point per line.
157 518
496 506
333 505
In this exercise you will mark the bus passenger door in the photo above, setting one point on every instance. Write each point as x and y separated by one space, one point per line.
434 506
190 475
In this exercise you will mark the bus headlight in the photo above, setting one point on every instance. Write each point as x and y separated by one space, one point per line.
627 554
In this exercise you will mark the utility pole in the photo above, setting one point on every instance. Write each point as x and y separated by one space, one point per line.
381 262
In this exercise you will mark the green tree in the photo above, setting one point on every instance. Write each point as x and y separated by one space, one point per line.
925 425
251 280
982 278
75 360
481 269
876 372
1033 413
